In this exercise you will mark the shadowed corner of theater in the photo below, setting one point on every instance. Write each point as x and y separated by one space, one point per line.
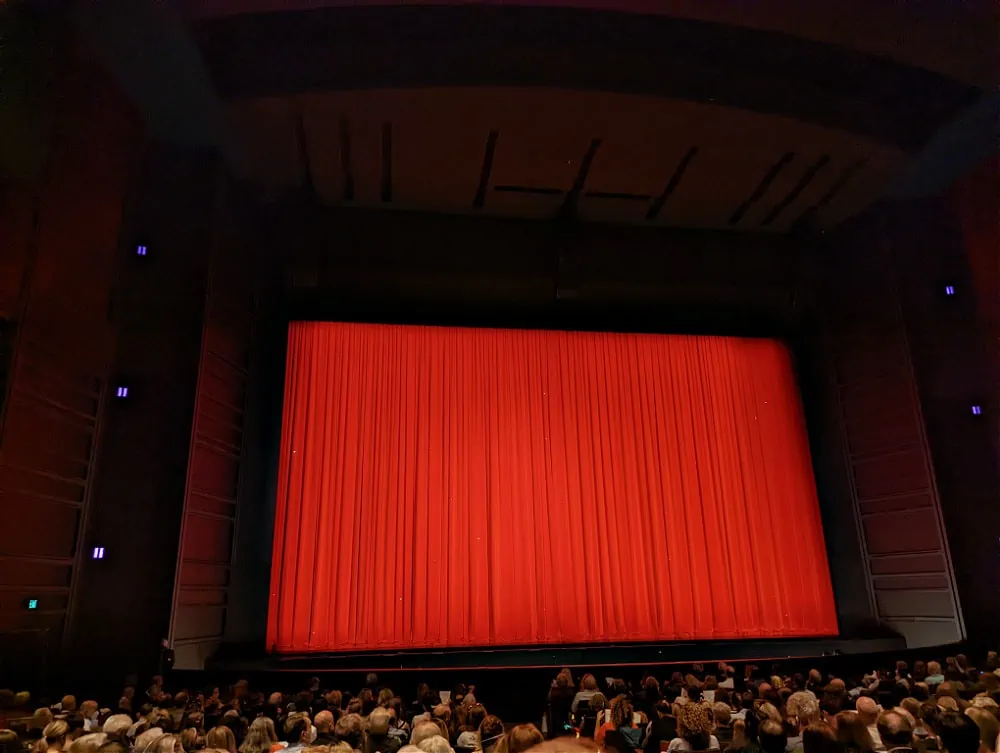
298 360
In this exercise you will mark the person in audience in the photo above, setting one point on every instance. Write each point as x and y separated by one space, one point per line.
189 739
116 727
491 732
958 733
662 729
298 731
377 737
468 733
261 737
422 731
934 674
852 733
598 709
741 741
166 744
54 736
222 738
868 710
722 717
561 696
323 722
88 743
694 730
620 724
147 738
895 731
588 689
772 737
989 726
436 744
819 737
9 742
523 737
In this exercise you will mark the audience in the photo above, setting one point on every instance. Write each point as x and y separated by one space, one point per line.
925 709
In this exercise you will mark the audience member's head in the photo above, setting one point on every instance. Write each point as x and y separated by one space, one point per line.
350 729
620 712
523 737
378 723
721 714
221 737
772 737
868 710
695 725
55 734
989 725
422 731
895 730
819 738
853 733
262 735
957 733
804 707
9 742
490 732
147 738
436 744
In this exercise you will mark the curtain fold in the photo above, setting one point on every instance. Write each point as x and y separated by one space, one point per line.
441 486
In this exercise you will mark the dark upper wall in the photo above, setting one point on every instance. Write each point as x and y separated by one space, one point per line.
59 227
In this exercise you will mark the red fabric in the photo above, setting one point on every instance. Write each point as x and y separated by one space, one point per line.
441 486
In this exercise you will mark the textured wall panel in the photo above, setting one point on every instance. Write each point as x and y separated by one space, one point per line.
895 496
60 231
201 588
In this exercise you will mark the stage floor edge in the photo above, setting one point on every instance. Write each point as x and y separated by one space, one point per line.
233 658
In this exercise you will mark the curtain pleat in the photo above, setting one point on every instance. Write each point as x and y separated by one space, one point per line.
472 487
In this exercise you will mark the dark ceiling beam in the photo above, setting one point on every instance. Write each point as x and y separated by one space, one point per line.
571 202
477 45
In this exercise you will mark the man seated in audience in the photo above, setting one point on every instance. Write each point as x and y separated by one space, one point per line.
378 739
298 731
324 728
896 732
958 733
869 711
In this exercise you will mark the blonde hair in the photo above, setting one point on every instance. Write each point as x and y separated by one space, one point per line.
146 739
220 737
260 737
166 744
88 743
54 734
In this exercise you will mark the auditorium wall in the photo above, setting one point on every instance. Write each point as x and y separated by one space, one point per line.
71 141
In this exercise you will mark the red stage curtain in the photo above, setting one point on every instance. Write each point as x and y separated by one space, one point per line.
441 486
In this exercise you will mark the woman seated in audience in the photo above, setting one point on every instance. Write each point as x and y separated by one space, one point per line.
662 729
261 737
621 726
468 731
490 734
852 733
588 689
694 730
523 737
53 738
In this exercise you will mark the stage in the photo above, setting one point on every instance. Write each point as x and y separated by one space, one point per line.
235 658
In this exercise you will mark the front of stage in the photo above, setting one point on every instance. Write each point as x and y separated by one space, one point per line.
249 658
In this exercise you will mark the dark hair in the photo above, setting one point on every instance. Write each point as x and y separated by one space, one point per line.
819 738
475 716
772 737
958 733
295 730
9 742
